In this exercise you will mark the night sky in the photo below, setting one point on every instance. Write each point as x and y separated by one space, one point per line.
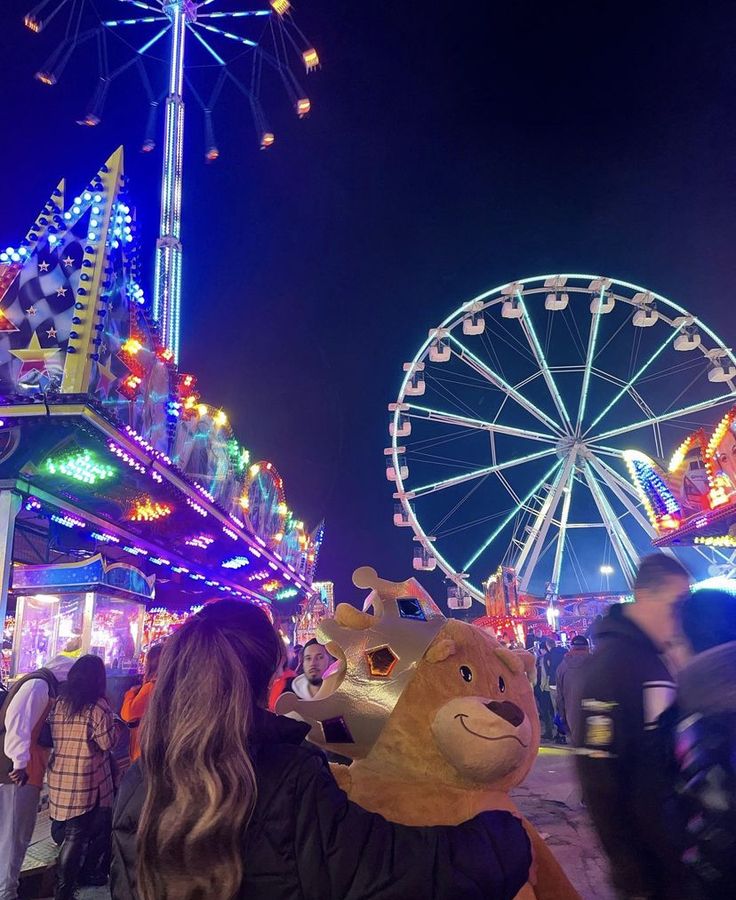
451 147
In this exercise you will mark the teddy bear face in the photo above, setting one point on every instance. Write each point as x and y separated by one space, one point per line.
485 731
468 716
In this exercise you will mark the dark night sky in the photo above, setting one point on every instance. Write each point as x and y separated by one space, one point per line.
451 147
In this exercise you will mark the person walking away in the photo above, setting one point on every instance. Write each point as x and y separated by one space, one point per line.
228 801
542 692
136 700
569 687
625 687
80 781
705 743
24 751
315 662
555 654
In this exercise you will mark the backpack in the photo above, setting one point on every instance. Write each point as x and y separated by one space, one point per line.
44 738
705 752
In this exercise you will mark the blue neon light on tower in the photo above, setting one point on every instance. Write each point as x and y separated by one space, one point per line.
167 285
277 39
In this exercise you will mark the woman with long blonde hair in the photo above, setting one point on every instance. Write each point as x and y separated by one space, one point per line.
228 801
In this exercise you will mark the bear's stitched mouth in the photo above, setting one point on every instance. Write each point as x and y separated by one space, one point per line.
485 737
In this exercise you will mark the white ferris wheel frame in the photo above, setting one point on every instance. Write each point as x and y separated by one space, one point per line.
593 470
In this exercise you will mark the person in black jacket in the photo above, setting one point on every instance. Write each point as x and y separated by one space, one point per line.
626 685
229 802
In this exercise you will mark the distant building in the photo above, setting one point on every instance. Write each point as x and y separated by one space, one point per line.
319 605
327 593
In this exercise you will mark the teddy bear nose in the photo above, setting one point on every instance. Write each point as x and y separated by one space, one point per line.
506 710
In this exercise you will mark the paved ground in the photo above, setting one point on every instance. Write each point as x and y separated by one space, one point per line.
549 798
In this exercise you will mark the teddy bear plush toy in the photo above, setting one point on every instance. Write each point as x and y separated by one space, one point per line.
439 719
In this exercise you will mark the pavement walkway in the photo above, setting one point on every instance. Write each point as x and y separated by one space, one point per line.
549 798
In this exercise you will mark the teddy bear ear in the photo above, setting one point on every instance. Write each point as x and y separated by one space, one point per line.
440 650
530 664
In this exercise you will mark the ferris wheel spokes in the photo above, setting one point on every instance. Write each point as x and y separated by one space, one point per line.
482 369
561 538
662 347
436 415
538 534
478 473
620 488
528 328
666 416
518 508
589 356
622 546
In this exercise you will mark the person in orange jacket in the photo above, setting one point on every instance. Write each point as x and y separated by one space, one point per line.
136 700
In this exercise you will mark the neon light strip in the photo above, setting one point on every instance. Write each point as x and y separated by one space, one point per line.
228 34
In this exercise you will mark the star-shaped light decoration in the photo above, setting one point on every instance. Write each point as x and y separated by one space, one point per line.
51 332
43 266
35 357
68 261
61 292
105 379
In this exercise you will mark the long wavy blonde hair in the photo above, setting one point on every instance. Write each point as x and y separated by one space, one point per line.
200 783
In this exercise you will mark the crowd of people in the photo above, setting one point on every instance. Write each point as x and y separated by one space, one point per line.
224 799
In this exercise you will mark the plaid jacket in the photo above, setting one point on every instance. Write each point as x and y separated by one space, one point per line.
79 773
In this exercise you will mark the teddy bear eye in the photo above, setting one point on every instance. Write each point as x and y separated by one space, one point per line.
466 673
501 684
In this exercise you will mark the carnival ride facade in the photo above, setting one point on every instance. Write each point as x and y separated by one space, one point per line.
691 500
510 432
105 447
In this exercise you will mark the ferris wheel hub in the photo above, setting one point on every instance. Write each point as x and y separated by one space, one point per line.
569 445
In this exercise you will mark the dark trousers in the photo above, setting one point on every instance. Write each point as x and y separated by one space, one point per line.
546 712
85 850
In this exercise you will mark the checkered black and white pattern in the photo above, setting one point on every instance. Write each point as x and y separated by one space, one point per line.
39 304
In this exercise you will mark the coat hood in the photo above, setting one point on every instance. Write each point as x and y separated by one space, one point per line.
708 683
617 626
300 686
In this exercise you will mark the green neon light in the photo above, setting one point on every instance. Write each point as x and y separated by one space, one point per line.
511 515
239 456
82 466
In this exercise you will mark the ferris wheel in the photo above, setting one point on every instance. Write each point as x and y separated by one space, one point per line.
509 430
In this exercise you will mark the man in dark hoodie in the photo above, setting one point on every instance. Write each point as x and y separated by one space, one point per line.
570 687
626 685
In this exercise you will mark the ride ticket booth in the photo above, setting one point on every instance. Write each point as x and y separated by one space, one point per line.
90 606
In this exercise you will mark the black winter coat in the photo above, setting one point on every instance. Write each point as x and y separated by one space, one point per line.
625 687
307 841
